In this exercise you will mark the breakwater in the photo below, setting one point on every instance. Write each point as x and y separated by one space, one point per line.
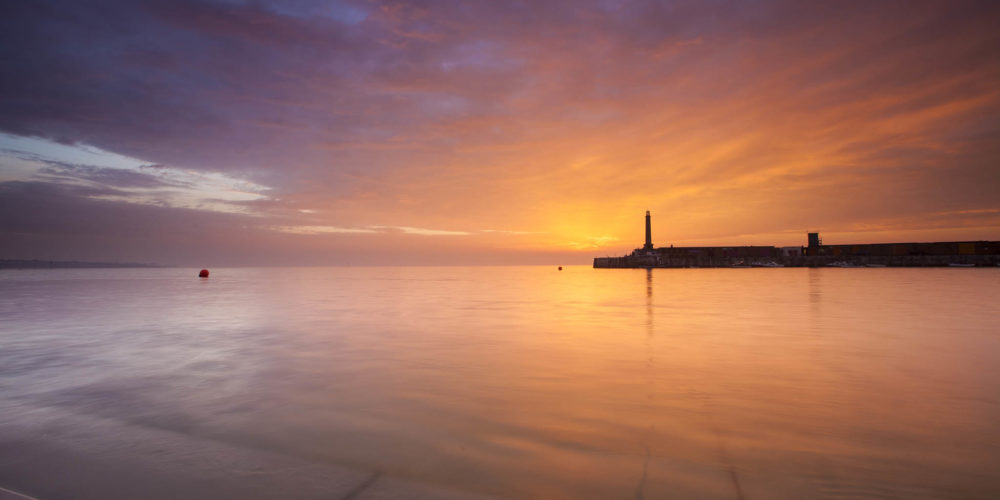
642 261
816 254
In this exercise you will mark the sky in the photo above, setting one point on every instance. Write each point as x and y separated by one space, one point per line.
341 132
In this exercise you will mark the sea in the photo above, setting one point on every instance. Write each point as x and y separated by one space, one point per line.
500 382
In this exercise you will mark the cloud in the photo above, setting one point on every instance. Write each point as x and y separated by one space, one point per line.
309 230
128 180
505 231
591 242
561 119
112 177
370 229
316 230
424 232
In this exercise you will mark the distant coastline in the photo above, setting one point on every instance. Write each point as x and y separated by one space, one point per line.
67 264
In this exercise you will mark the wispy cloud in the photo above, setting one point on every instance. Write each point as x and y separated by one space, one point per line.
592 242
306 229
505 231
724 118
128 180
309 230
425 232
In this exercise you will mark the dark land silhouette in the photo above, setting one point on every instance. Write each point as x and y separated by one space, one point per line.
816 254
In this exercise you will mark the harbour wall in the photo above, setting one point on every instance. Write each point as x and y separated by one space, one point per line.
644 261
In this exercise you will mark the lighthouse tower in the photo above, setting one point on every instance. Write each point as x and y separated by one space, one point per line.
649 235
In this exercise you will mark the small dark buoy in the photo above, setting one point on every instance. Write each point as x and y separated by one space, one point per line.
560 268
203 273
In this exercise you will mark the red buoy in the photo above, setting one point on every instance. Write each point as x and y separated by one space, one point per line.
203 273
560 268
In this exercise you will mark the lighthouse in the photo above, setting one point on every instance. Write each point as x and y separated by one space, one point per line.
649 235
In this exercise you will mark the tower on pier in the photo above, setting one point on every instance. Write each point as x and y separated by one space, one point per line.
649 234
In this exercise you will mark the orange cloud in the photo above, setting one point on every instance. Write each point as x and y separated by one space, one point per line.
548 130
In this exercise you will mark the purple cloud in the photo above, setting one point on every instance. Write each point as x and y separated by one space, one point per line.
472 115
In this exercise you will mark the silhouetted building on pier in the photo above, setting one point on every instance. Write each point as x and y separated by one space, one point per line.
940 248
816 254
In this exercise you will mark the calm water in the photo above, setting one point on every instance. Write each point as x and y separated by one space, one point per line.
527 382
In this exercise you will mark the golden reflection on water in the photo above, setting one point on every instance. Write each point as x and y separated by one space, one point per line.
659 383
534 383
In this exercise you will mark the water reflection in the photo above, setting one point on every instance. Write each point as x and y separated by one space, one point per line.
528 383
815 285
649 302
650 383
